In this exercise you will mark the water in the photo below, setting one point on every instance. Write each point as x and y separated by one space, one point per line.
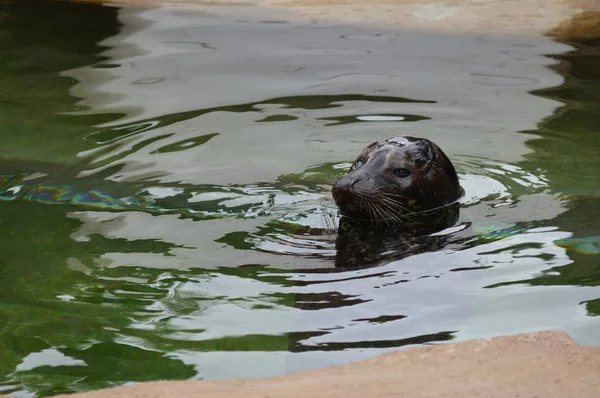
165 175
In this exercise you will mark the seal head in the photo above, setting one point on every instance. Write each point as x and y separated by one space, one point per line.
395 180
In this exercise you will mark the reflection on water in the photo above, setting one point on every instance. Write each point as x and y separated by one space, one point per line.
165 187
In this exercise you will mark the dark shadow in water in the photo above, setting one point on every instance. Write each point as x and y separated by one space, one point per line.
39 40
297 338
321 300
113 133
296 102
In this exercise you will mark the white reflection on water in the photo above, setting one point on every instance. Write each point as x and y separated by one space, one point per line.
433 295
467 118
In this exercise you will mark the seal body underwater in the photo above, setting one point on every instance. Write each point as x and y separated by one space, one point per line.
396 180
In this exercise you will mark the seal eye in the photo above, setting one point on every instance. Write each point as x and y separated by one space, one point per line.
356 165
401 172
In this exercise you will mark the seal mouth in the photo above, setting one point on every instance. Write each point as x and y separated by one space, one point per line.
352 211
352 208
345 201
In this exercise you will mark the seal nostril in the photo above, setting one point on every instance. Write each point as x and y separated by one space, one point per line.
357 179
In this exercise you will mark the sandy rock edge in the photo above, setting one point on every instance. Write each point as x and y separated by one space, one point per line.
544 364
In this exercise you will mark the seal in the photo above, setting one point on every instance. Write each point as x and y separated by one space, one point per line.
395 181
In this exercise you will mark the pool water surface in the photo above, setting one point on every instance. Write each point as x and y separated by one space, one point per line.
164 176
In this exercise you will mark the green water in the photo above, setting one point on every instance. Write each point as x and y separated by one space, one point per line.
159 171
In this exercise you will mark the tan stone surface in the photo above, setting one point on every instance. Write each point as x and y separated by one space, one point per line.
498 16
544 364
582 26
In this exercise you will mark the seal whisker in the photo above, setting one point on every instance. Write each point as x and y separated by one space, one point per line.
392 216
373 212
389 194
381 219
396 216
385 216
392 197
393 205
328 219
396 204
380 211
331 177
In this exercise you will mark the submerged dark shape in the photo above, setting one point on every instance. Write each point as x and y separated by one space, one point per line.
397 193
360 245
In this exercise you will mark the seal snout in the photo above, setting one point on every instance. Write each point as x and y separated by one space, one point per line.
347 191
343 189
351 184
